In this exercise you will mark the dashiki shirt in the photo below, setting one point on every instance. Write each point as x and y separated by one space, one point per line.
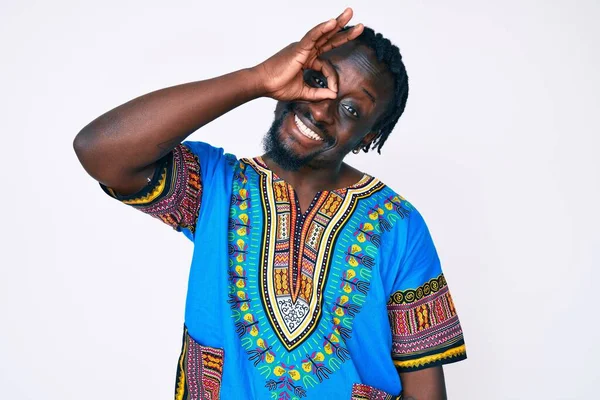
282 304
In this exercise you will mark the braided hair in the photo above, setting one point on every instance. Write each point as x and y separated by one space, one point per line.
389 54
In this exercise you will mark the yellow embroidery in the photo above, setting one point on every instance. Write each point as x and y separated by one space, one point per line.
157 191
456 351
181 379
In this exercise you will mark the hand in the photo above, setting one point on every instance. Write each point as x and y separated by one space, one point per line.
282 76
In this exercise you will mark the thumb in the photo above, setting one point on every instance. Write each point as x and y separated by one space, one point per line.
317 94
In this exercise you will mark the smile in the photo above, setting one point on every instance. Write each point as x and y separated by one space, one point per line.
305 130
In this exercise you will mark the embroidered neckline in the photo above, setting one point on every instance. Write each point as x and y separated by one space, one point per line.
296 287
260 164
296 249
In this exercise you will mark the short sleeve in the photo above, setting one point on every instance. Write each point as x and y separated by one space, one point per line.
426 331
174 193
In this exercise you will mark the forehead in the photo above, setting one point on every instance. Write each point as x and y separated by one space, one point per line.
358 67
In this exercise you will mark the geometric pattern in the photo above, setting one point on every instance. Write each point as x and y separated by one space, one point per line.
366 392
296 251
173 194
341 279
199 371
425 327
289 254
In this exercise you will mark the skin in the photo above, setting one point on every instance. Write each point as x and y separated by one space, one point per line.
346 122
426 384
324 79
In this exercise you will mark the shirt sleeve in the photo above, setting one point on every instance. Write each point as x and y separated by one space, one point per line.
426 331
174 193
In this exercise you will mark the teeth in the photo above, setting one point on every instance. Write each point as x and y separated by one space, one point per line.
306 131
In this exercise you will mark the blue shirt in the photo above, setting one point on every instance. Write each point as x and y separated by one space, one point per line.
282 303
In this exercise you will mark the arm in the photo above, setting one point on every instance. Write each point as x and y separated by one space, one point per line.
425 384
426 330
121 148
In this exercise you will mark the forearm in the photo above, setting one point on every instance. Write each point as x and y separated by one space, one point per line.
426 384
121 147
134 135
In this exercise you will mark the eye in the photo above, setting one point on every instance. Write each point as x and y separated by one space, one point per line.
322 82
351 110
315 79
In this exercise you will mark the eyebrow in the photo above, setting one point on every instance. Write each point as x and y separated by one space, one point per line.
371 97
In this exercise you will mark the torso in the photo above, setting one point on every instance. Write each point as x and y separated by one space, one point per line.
300 269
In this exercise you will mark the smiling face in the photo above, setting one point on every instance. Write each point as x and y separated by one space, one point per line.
320 134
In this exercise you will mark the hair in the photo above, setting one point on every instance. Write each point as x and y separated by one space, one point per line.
389 54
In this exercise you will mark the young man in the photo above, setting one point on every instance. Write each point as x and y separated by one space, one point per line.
310 279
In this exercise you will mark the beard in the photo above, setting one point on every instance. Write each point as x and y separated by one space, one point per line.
277 150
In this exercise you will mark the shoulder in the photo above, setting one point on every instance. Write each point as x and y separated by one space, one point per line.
209 156
207 150
395 213
393 202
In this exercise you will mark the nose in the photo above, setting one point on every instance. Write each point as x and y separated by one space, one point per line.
322 111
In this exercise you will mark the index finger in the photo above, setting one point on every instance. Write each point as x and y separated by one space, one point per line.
307 43
341 21
342 37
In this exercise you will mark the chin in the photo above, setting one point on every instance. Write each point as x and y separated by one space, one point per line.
277 144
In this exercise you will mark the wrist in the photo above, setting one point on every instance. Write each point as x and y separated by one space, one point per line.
255 81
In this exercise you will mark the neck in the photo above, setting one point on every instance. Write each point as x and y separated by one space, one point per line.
316 179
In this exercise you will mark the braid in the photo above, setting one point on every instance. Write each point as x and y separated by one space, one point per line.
390 55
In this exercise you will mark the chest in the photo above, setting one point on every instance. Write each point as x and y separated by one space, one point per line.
292 272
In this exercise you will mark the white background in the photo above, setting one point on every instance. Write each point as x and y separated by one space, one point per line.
497 148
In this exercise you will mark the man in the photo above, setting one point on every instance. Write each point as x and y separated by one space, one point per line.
310 279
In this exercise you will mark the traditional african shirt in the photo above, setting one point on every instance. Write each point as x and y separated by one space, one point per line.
331 302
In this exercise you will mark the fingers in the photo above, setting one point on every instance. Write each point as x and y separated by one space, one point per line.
315 94
309 40
312 93
342 37
341 21
328 72
321 33
318 40
344 17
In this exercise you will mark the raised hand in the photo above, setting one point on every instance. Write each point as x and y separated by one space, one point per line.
282 75
146 128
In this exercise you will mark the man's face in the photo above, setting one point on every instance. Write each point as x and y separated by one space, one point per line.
320 134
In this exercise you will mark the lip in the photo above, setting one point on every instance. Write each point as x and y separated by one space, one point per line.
310 126
299 136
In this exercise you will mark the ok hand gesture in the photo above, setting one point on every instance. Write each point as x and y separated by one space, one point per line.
282 74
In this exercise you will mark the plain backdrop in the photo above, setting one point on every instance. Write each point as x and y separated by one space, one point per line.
498 148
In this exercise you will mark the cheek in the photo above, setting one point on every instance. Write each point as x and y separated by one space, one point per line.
351 133
347 143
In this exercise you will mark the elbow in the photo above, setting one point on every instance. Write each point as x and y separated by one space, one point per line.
89 154
80 145
84 147
100 158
